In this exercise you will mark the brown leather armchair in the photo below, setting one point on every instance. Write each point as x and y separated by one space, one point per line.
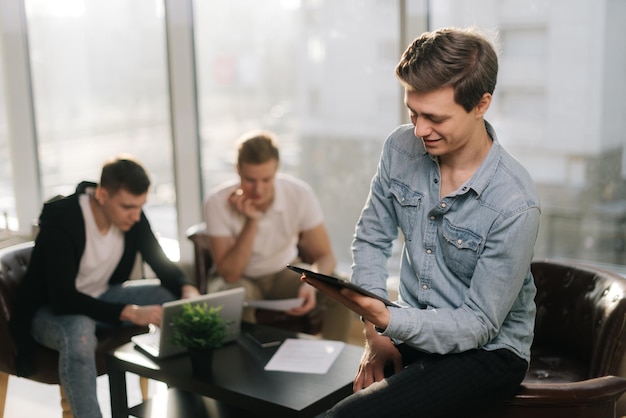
204 270
13 263
579 345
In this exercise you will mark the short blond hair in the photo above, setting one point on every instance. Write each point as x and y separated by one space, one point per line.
257 147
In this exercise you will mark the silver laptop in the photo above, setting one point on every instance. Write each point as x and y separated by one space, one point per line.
157 343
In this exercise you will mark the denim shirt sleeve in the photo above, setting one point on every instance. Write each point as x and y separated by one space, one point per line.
376 230
465 278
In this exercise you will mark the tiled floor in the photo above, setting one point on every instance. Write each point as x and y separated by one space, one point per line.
26 399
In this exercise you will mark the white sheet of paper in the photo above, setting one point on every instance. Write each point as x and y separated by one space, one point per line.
276 304
305 356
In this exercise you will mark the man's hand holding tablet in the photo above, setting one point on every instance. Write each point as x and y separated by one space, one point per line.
370 306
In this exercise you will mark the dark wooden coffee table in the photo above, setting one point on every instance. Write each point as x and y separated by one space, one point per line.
238 386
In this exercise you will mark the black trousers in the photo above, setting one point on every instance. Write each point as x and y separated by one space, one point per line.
438 386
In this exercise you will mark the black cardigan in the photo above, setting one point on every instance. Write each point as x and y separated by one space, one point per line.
51 274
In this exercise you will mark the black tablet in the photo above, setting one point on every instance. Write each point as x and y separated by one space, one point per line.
264 338
334 281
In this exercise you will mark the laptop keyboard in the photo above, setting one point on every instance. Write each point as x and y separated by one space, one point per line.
151 340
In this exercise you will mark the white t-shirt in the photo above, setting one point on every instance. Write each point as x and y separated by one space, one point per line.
295 209
102 254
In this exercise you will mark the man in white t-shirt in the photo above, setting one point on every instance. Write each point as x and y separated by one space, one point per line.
76 280
264 221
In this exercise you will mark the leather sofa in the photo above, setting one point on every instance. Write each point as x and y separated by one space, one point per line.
579 345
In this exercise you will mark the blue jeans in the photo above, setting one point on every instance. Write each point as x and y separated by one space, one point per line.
74 337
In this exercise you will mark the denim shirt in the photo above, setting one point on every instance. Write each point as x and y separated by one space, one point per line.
465 280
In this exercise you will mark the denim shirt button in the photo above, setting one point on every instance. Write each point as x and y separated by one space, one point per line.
443 205
428 251
459 241
432 218
425 286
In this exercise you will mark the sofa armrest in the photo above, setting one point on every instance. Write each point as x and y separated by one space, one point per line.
596 390
203 261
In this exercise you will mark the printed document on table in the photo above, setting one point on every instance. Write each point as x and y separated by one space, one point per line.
305 356
276 304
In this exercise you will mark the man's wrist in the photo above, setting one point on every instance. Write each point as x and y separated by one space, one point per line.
188 291
376 327
125 313
252 217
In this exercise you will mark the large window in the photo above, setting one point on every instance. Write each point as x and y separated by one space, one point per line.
7 200
318 74
100 88
558 108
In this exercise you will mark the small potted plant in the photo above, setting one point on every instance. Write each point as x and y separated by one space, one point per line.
201 330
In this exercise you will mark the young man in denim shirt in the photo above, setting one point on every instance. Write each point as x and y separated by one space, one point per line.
469 214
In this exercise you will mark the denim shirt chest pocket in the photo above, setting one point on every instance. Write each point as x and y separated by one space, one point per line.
461 248
406 203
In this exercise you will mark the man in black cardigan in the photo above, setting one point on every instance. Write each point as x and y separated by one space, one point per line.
83 254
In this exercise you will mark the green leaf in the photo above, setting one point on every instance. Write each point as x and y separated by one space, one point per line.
198 326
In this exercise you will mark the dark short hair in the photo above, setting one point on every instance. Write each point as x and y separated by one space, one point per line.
461 58
257 147
124 172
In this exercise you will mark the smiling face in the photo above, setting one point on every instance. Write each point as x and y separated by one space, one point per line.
257 182
444 126
122 209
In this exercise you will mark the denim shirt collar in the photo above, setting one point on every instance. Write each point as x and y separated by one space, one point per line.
487 169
